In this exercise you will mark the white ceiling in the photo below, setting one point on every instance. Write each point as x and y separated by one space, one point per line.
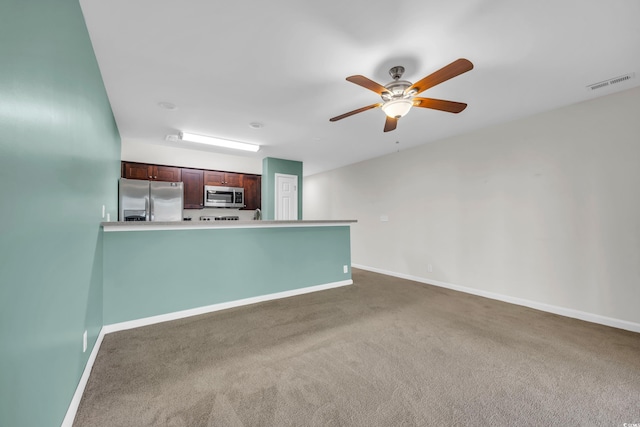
283 63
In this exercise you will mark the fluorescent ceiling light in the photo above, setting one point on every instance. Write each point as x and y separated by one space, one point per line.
185 136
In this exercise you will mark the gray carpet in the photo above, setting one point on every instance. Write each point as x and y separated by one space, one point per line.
383 352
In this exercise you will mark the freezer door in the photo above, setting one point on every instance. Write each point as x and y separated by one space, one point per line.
133 200
166 202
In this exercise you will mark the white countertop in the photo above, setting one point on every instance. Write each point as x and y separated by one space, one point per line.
200 225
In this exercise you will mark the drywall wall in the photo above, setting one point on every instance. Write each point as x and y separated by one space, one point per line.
211 266
59 162
270 167
136 151
544 209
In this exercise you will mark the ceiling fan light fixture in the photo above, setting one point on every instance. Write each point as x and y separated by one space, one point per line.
397 108
218 142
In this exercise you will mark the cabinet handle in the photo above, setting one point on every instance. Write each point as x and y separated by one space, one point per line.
155 177
150 177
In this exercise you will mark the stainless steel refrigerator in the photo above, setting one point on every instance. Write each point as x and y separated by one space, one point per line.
140 200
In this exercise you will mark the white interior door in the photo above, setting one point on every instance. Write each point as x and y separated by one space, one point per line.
286 197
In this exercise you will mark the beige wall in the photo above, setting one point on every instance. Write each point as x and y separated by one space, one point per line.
544 209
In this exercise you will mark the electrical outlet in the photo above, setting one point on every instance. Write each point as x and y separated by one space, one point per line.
108 217
103 210
345 268
384 218
429 268
84 341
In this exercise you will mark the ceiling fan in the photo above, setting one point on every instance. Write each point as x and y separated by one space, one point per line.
400 95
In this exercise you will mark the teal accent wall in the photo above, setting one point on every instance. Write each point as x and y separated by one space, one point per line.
59 163
148 273
270 167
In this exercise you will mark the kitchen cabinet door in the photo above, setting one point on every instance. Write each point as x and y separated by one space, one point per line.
193 181
213 178
149 172
167 173
226 179
137 170
252 191
233 179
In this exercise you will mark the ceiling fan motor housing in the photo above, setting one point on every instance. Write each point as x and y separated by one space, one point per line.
396 89
397 102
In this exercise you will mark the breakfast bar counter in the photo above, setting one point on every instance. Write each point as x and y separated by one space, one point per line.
197 225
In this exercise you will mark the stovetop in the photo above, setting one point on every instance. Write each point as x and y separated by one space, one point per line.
220 218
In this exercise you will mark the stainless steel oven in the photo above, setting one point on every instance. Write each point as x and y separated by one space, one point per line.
223 197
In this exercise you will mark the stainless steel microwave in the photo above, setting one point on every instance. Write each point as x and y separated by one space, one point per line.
223 197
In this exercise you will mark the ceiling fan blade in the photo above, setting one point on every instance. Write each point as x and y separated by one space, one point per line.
367 84
351 113
445 73
390 124
439 104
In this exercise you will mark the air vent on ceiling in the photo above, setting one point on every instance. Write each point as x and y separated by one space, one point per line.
612 81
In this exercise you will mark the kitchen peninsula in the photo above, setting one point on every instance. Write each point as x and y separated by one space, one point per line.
155 271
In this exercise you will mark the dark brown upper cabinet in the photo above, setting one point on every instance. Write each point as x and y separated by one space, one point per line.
193 180
133 170
252 191
226 179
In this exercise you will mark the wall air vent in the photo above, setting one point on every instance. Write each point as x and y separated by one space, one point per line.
612 81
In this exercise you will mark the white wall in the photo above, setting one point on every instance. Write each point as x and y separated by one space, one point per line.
544 209
136 151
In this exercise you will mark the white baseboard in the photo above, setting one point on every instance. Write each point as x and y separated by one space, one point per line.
562 311
122 326
77 396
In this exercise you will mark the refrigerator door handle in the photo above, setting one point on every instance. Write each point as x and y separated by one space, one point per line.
151 210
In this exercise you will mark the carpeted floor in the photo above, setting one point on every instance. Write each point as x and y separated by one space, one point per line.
382 352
